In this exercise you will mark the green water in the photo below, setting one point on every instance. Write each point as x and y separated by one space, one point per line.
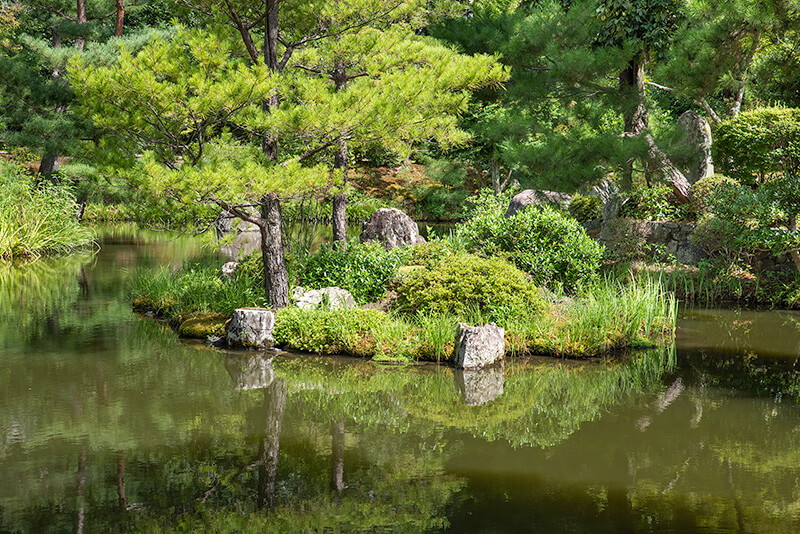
109 423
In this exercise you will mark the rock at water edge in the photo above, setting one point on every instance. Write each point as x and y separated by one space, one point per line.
251 328
478 346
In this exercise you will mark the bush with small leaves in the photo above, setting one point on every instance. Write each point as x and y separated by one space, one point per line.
586 208
467 282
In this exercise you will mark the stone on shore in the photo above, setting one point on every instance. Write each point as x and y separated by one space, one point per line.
228 269
478 346
329 298
392 228
251 328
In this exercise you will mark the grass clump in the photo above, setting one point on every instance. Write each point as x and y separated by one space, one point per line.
608 316
36 220
193 292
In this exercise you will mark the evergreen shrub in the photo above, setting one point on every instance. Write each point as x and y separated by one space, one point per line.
550 246
464 283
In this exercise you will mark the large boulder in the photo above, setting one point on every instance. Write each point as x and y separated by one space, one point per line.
478 346
479 386
696 145
392 228
534 197
331 298
251 328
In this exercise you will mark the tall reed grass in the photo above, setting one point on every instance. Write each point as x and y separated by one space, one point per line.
35 221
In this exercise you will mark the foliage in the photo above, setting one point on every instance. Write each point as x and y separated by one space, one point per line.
443 200
704 190
553 248
364 269
463 282
36 220
656 203
585 208
758 143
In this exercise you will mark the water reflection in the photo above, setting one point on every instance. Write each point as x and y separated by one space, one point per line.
479 386
251 371
108 423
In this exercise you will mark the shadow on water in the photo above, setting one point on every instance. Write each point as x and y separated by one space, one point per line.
109 423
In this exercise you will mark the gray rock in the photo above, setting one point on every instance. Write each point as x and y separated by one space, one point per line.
392 228
253 372
479 386
334 298
533 197
478 346
228 269
251 328
697 145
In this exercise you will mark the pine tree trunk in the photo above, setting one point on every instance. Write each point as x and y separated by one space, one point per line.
634 109
120 18
339 208
81 19
276 278
339 219
49 164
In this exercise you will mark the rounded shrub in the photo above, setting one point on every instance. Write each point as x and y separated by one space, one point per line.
585 208
550 246
464 283
703 192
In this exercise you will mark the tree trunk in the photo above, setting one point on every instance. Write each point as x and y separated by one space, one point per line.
276 279
122 500
339 218
274 406
659 160
794 253
120 18
634 109
81 19
494 167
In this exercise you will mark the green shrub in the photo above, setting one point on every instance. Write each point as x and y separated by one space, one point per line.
758 143
703 192
585 208
330 332
656 203
551 247
463 282
364 269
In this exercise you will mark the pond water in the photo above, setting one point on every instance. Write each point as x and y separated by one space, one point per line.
109 423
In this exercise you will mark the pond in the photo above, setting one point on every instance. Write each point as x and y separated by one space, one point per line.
108 422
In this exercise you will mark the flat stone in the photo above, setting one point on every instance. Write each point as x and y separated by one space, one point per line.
251 328
478 346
